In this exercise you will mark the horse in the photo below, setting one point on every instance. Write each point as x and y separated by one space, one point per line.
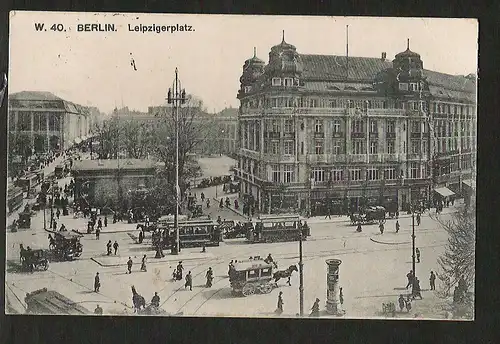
138 301
285 274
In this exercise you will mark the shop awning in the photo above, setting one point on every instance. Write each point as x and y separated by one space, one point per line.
470 183
78 140
445 192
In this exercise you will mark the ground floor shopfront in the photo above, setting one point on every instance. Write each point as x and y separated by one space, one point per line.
337 200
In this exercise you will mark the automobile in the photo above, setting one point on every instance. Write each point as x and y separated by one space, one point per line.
36 259
24 219
66 245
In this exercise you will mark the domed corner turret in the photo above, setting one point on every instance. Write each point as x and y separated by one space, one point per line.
253 68
409 62
284 60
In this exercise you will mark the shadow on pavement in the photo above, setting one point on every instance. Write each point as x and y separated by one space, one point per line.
14 267
220 294
235 242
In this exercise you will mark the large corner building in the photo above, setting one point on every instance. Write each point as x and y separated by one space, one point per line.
318 131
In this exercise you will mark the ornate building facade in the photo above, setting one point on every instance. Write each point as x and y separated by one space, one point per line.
48 122
326 131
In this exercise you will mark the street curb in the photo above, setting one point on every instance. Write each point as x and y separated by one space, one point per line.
149 261
390 243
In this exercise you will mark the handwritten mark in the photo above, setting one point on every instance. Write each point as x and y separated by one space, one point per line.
132 62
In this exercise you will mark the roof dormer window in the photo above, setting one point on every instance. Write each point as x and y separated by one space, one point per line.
248 89
288 82
403 86
276 81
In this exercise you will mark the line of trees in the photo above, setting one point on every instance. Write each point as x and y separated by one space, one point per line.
139 140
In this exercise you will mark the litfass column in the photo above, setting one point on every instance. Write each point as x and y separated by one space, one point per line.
332 291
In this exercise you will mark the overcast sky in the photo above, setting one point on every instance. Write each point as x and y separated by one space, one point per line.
94 68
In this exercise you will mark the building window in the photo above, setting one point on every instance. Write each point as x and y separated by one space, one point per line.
373 147
313 102
288 82
276 81
318 175
403 86
372 174
358 147
276 126
391 146
390 174
274 102
413 86
275 171
414 170
332 103
275 147
288 174
288 125
336 126
337 175
319 147
373 126
391 126
318 126
302 148
424 147
248 89
337 147
415 146
289 148
357 126
355 174
416 127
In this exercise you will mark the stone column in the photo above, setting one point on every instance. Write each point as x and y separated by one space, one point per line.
32 130
47 131
332 291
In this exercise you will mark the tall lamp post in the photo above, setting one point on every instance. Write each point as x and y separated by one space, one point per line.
412 208
176 97
301 276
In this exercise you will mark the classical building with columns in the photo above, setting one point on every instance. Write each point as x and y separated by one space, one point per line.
319 132
49 122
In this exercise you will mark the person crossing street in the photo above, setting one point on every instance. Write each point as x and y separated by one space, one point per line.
432 280
129 265
143 265
417 251
210 277
108 248
189 281
315 309
397 226
155 301
279 309
115 246
97 283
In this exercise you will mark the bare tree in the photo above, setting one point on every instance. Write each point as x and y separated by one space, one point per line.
136 138
108 134
457 263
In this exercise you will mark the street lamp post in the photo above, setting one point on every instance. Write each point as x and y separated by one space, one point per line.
176 97
413 241
301 277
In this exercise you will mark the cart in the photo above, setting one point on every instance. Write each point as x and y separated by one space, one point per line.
252 276
34 260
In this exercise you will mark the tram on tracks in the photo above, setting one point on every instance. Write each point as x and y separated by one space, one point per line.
192 233
276 228
15 198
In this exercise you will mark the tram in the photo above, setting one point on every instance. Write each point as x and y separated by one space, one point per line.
192 233
15 198
28 182
276 228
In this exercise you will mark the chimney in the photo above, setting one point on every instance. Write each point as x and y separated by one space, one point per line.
384 56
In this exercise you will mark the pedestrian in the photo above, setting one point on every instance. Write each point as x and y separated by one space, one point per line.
98 310
417 251
143 265
99 223
409 276
397 226
228 202
58 213
230 268
189 281
418 219
208 203
97 232
341 297
210 277
106 221
402 302
202 197
432 281
359 230
180 268
279 309
221 203
97 283
155 301
328 215
129 265
408 304
54 225
416 289
115 246
381 228
315 309
108 247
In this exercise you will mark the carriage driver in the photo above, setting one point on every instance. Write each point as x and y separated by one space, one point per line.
269 259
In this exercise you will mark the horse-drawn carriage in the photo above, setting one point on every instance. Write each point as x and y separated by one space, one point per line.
256 276
66 245
24 219
369 215
34 259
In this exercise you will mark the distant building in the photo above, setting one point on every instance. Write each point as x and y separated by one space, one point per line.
49 122
227 128
108 182
325 131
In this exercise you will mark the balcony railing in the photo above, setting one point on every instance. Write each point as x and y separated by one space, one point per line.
374 135
390 135
357 157
319 135
374 158
273 134
338 134
289 135
391 157
357 135
415 135
388 112
326 158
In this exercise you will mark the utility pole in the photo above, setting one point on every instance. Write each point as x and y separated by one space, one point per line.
176 97
413 240
301 274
